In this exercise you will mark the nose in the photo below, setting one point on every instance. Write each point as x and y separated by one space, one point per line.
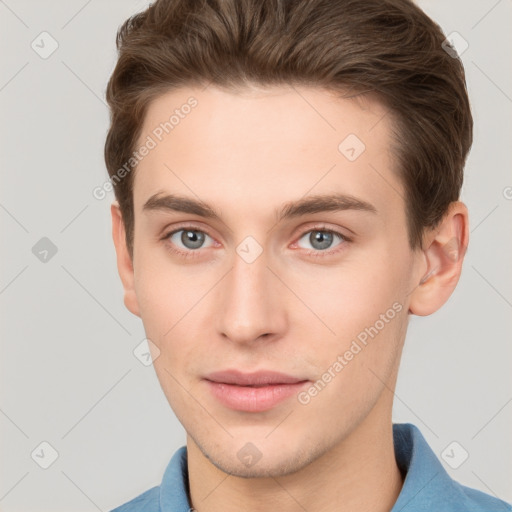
250 304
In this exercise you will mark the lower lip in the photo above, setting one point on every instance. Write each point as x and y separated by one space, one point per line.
253 399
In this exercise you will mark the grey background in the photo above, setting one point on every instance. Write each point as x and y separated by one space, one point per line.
68 373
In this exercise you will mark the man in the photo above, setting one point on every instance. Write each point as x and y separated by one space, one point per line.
287 177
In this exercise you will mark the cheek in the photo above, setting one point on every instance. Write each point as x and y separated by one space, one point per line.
363 320
166 294
347 300
172 305
356 372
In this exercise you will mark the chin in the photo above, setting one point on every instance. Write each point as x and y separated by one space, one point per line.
269 462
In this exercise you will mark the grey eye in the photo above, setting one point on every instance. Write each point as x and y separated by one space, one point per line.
188 238
320 239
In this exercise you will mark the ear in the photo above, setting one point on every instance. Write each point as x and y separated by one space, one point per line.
443 251
124 261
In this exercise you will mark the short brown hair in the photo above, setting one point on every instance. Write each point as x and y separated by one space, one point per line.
388 48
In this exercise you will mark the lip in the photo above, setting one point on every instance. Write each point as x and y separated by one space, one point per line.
259 378
253 392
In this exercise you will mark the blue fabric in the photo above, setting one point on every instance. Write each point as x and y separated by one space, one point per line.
427 486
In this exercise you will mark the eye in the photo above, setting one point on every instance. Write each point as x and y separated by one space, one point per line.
322 239
188 239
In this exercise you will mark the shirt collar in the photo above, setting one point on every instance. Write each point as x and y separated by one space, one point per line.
174 487
426 481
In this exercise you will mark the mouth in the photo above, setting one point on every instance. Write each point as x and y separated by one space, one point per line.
253 392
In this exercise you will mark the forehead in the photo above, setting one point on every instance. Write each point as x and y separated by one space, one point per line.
266 145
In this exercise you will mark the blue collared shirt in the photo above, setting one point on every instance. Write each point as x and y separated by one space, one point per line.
427 486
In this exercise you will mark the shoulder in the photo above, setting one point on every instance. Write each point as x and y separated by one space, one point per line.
427 485
148 501
478 501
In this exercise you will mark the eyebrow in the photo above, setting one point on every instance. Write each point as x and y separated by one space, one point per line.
307 205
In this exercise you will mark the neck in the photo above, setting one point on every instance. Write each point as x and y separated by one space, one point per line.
358 474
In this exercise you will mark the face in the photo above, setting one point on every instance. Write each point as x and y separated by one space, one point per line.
298 264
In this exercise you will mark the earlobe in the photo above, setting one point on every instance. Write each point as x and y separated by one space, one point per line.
444 251
124 260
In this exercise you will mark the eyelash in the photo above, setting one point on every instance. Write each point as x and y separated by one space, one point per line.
314 253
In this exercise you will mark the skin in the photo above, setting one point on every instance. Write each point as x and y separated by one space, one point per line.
246 153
